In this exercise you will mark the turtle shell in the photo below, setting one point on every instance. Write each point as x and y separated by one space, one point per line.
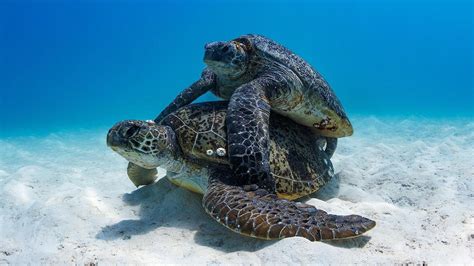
311 79
297 161
298 164
200 131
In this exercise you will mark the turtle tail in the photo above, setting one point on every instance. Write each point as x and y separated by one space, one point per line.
258 213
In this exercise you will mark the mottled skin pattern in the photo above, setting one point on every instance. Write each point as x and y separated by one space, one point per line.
248 129
298 165
147 148
258 213
257 74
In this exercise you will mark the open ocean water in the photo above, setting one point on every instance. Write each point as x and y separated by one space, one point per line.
69 70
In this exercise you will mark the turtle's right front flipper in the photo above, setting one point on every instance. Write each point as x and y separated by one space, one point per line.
187 96
260 214
141 176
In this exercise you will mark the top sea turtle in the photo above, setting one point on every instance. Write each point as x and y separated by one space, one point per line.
189 145
257 74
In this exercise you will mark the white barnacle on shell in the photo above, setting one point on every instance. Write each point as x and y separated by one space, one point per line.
150 122
221 152
210 152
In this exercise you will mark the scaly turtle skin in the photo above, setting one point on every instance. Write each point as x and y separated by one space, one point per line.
190 143
258 75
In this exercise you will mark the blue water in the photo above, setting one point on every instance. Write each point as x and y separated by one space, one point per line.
69 69
87 64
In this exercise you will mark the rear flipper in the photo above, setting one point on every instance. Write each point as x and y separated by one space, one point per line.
331 145
257 213
141 176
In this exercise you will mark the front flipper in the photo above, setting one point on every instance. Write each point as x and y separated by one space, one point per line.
141 176
187 96
260 214
248 135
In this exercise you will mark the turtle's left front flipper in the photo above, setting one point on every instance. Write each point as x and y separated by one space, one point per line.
260 214
188 95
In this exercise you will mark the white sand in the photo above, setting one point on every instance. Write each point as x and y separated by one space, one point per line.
66 198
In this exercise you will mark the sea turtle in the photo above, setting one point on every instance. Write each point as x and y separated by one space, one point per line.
189 144
257 74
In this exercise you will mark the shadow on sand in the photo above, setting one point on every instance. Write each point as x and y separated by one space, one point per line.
164 205
329 191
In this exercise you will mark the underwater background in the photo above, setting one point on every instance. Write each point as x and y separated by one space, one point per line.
82 64
69 70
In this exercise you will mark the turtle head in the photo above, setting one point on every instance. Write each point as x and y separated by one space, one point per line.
228 59
144 143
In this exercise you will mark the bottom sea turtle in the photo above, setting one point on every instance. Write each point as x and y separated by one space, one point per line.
190 144
256 75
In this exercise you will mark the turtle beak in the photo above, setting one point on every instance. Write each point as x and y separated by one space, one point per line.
114 139
119 135
214 51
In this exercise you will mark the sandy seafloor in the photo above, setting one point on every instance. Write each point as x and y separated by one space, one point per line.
65 198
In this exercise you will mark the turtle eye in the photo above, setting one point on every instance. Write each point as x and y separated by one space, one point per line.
225 49
131 131
242 43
